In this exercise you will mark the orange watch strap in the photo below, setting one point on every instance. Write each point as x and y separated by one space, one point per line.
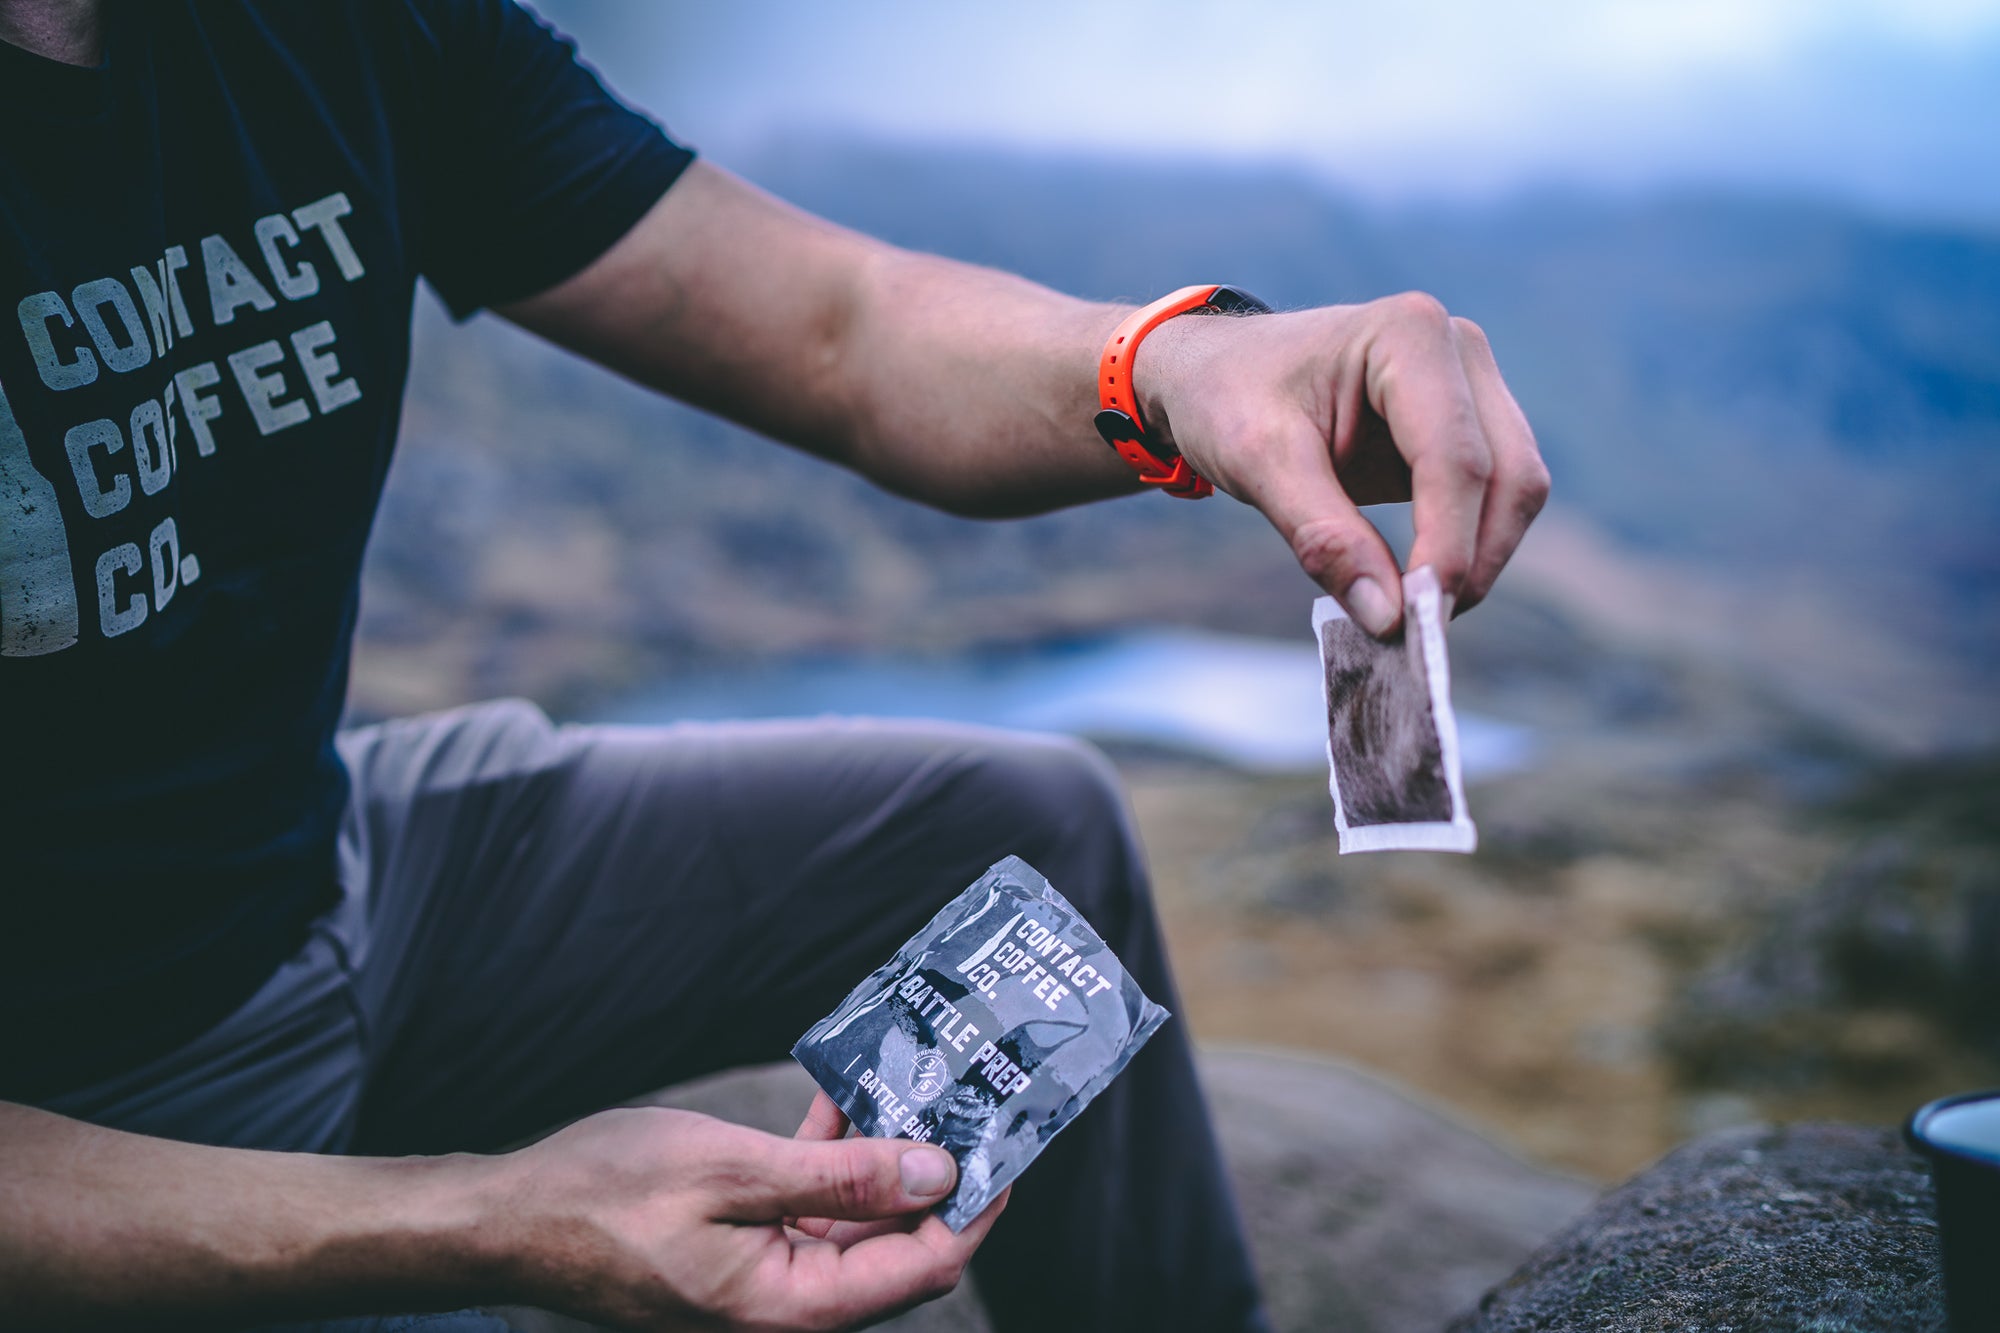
1118 418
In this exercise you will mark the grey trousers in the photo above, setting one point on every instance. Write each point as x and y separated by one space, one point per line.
537 922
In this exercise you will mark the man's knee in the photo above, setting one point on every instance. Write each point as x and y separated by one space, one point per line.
457 747
1062 801
1048 781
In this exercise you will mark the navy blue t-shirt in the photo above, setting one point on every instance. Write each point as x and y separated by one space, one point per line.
209 247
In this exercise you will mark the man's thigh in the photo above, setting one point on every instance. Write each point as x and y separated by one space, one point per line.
563 917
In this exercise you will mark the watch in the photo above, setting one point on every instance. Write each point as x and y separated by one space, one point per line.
1157 462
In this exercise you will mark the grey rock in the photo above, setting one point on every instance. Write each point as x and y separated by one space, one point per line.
1367 1210
1754 1230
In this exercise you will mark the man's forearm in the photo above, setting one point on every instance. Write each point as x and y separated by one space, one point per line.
967 388
1005 376
102 1228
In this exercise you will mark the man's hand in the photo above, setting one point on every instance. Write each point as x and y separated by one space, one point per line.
1308 415
651 1218
647 1218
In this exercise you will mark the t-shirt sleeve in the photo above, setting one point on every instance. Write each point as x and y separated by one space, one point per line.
528 167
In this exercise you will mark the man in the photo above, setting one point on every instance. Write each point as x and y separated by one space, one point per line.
262 995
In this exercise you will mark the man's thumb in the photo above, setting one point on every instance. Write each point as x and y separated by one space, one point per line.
847 1179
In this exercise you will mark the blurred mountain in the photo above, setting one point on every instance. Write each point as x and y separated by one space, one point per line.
1756 381
1774 427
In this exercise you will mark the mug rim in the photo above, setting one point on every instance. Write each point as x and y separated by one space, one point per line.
1917 1135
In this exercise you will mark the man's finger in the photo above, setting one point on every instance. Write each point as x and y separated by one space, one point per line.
884 1275
823 1120
851 1179
1420 389
845 1234
1520 483
1338 548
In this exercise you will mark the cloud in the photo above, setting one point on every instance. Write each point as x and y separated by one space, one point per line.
1882 100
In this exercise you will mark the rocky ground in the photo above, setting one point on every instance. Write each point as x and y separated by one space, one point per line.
1627 961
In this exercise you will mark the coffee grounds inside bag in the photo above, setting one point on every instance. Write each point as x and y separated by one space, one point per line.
987 1033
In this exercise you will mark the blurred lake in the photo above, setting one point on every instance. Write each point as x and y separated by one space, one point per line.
1252 703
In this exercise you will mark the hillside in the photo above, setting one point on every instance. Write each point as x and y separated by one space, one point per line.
1772 426
1764 384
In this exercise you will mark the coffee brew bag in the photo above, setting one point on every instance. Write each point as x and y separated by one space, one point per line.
990 1029
1391 736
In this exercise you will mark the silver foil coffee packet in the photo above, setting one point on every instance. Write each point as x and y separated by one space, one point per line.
1391 736
987 1033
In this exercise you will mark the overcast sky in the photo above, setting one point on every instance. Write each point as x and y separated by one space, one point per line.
1894 103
